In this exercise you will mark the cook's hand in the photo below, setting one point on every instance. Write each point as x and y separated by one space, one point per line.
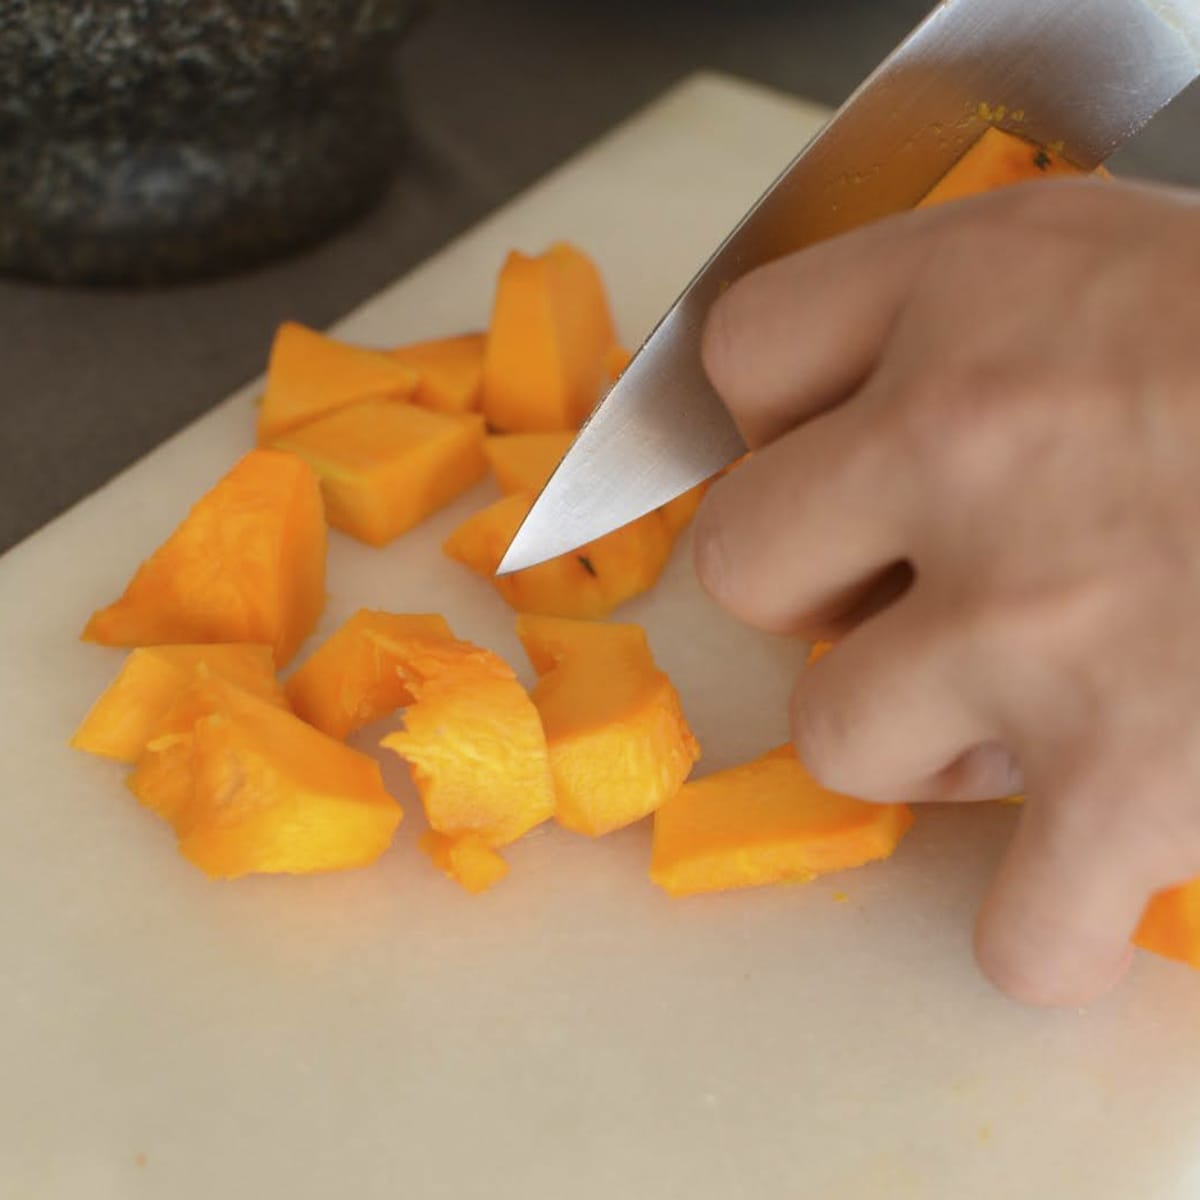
978 461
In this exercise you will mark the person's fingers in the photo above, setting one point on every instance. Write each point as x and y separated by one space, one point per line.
985 772
887 714
799 335
1056 925
804 530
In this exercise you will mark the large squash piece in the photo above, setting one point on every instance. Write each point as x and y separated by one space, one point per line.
449 372
550 342
310 374
587 583
618 740
246 565
354 676
473 740
121 722
1170 926
250 787
766 821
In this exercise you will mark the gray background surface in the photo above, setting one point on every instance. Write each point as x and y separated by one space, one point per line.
498 91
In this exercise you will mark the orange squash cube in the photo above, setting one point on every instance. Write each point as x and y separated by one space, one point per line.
587 583
473 741
386 466
766 821
1170 926
616 360
310 374
619 743
524 462
467 859
449 372
247 564
121 721
352 678
549 342
997 159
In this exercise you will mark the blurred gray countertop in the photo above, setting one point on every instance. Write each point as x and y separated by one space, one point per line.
498 91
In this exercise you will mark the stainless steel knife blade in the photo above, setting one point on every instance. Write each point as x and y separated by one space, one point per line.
1083 74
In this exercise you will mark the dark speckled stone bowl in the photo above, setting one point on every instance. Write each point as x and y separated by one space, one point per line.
145 141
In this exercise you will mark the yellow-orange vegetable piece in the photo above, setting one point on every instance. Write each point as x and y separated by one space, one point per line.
1170 926
997 160
118 725
523 462
247 564
449 371
352 678
549 341
766 821
616 360
473 741
385 466
619 743
467 859
587 583
310 374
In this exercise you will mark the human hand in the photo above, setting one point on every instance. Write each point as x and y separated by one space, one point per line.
977 433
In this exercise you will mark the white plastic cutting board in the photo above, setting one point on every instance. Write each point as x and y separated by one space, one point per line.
574 1033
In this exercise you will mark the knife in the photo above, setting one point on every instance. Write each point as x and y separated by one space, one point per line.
1083 75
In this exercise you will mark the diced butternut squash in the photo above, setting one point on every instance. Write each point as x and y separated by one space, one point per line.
549 343
120 722
616 360
524 462
1170 926
247 564
467 859
352 678
766 821
997 160
385 466
619 743
449 370
678 513
587 583
310 374
473 741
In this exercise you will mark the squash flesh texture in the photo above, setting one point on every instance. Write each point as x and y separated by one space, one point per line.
310 375
247 564
466 859
473 741
618 741
998 159
766 821
1170 925
523 462
385 466
449 372
352 678
587 583
550 335
125 716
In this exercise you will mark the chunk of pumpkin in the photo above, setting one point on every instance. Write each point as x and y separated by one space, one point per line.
121 721
449 370
998 159
385 466
766 821
310 374
1170 926
616 360
473 741
523 462
352 678
247 564
546 361
467 859
587 583
619 743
